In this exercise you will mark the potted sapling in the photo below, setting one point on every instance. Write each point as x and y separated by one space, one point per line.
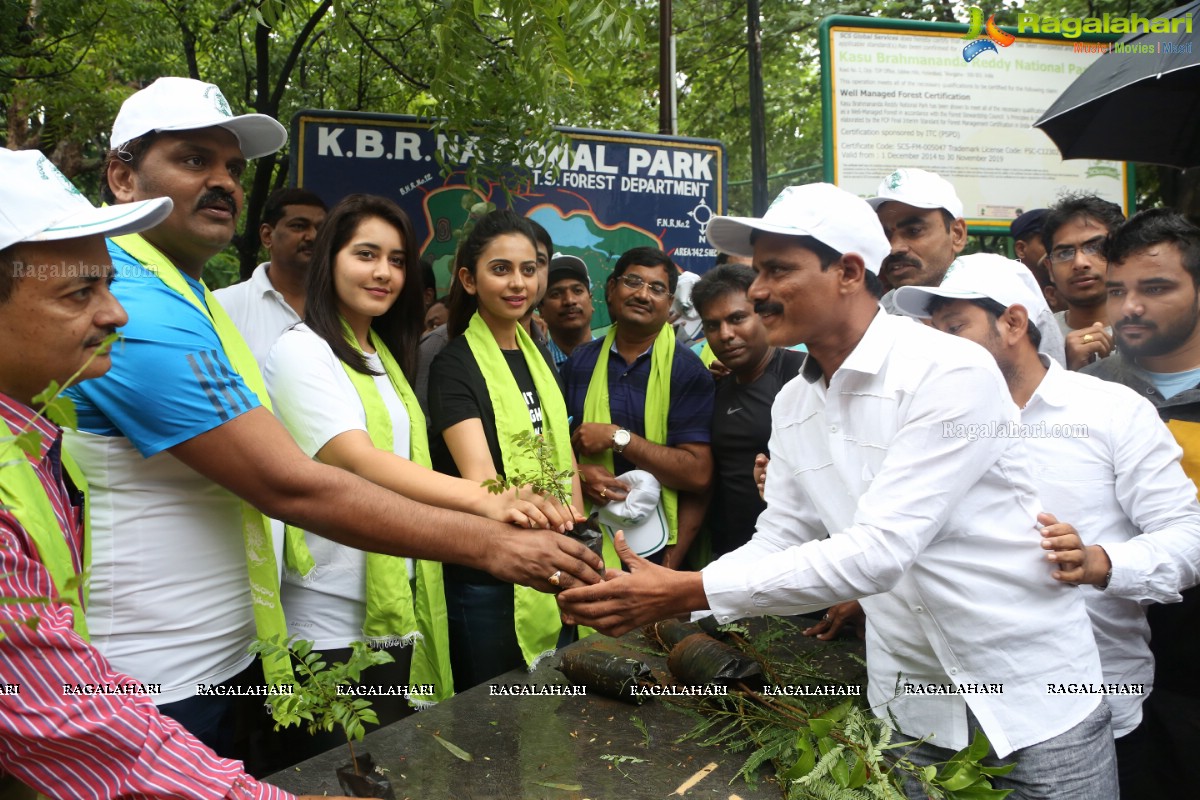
547 480
318 700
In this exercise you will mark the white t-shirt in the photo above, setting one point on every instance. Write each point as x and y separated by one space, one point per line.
316 401
258 310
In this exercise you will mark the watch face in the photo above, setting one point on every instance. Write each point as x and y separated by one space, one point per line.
621 438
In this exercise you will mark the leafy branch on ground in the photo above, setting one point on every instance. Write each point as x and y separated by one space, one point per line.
316 700
546 479
821 751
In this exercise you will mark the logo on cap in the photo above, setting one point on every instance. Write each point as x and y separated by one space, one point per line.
47 170
219 101
893 180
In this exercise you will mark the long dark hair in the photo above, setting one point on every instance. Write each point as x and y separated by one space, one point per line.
461 306
399 327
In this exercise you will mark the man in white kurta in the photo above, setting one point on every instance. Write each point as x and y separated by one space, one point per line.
882 487
1102 459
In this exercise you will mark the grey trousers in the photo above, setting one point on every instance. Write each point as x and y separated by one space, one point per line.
1080 764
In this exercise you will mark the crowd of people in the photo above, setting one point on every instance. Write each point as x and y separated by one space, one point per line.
986 467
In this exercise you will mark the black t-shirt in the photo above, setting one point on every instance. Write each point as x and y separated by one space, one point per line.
457 392
741 429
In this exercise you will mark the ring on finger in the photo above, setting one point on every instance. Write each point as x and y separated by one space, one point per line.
826 618
556 578
604 492
1088 338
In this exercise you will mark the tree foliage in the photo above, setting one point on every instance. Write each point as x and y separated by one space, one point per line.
495 76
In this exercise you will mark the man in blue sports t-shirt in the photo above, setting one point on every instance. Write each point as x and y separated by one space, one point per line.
181 452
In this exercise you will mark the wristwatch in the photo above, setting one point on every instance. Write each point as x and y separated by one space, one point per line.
620 440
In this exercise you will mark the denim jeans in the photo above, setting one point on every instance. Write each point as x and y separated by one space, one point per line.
483 641
1079 764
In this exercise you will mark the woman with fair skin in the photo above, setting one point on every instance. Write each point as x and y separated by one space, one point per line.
490 384
340 383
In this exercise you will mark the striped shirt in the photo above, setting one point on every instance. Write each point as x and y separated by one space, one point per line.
70 725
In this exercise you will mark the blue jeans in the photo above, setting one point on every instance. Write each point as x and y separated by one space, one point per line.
1080 764
483 641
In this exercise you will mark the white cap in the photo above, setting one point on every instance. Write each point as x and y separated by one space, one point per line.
640 514
919 189
832 216
39 204
976 277
183 104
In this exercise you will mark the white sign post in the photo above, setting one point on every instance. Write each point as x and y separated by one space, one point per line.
901 94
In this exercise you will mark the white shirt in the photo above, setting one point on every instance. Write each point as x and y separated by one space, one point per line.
316 401
1105 463
258 310
933 526
168 625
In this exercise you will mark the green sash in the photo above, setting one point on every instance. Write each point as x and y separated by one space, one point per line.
22 494
535 614
658 399
393 615
256 531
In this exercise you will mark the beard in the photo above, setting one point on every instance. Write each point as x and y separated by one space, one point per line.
1161 340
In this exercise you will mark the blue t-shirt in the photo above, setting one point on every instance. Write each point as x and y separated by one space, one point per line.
689 415
1170 384
170 379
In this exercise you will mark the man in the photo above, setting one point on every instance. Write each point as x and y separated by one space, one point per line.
567 308
1153 285
1074 231
178 440
641 400
1105 461
272 300
922 218
741 423
55 310
867 497
1026 231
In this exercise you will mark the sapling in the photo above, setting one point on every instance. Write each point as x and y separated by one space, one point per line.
315 696
547 480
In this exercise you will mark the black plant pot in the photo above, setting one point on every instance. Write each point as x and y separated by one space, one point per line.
367 784
589 534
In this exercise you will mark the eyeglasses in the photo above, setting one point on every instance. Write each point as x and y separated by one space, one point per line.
636 282
1092 247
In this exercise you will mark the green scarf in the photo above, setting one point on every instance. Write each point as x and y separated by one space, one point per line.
393 615
22 495
256 530
658 399
535 614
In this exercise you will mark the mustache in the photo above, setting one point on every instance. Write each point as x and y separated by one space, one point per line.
1135 321
215 197
898 261
764 307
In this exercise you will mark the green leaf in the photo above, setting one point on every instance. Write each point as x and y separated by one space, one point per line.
978 748
30 442
820 727
453 748
979 791
961 778
804 765
1002 770
841 773
858 775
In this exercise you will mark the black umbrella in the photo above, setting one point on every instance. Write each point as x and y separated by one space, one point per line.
1132 105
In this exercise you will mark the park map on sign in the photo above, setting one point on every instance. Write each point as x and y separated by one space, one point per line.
611 192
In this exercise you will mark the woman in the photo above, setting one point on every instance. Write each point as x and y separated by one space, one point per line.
340 383
490 383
